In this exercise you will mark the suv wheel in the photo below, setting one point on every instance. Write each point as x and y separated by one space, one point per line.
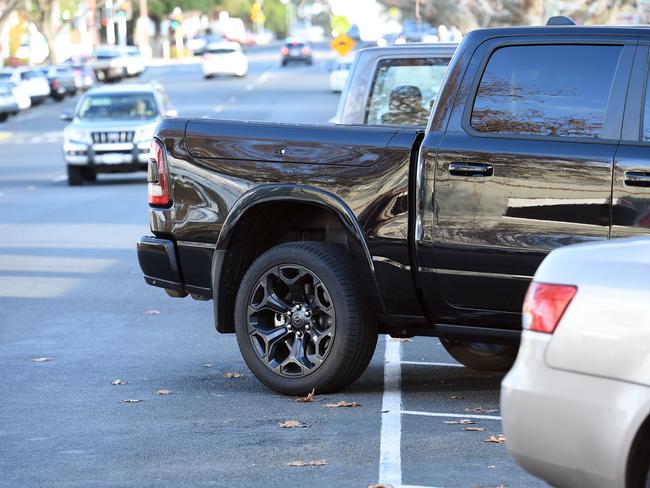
481 356
75 175
301 322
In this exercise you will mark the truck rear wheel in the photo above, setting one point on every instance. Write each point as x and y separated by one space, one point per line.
300 320
481 356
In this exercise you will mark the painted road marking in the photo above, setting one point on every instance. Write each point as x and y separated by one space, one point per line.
390 461
451 415
424 363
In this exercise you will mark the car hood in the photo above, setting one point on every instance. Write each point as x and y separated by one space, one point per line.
112 125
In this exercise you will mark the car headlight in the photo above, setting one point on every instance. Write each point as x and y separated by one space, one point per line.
145 134
76 135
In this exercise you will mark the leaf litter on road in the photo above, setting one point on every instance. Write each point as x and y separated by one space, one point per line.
232 375
41 360
164 392
481 410
380 485
342 404
291 424
306 399
473 429
132 400
118 382
302 464
460 421
496 439
151 312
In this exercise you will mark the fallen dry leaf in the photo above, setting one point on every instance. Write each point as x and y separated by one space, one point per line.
496 439
400 339
119 382
164 392
308 398
456 397
232 374
460 421
300 464
41 360
151 312
481 410
342 405
474 429
291 424
132 400
380 485
207 365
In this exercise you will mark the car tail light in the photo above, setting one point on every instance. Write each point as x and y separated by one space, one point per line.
545 304
305 50
55 84
284 51
158 186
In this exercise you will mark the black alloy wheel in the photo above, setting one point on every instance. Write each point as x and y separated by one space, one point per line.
301 319
291 320
482 356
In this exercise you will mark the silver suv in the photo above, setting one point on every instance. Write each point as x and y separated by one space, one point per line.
111 130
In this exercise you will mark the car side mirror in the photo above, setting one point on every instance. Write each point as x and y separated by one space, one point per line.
66 116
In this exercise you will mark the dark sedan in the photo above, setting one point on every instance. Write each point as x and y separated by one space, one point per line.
296 51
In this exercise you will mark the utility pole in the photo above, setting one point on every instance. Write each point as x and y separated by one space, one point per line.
418 16
142 27
110 23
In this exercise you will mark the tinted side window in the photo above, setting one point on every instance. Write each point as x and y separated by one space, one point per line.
557 90
403 90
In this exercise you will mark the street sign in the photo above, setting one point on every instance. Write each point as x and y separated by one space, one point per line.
342 44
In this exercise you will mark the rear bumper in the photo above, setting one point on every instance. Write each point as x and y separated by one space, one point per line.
158 262
566 428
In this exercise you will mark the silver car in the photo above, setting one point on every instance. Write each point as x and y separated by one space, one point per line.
576 403
111 130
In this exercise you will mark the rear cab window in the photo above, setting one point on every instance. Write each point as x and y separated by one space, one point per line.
553 90
403 90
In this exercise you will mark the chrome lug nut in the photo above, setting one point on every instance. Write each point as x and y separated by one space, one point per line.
299 334
307 313
307 327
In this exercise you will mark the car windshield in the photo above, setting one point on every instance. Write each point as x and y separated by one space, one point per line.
5 76
122 106
220 50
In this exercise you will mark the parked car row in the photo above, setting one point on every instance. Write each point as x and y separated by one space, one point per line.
114 63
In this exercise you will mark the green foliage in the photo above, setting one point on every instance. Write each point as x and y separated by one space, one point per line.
340 23
274 10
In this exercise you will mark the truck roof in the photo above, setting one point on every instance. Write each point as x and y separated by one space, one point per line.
410 49
596 30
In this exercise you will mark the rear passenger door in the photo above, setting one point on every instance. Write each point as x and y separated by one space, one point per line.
631 198
524 166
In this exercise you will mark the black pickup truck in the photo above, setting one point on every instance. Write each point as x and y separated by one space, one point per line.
311 240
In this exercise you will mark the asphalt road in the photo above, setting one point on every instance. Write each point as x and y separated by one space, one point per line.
71 290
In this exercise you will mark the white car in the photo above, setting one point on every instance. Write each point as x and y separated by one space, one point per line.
134 63
112 128
339 73
224 58
36 83
576 403
20 90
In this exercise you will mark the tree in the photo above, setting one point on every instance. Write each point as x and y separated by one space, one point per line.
471 14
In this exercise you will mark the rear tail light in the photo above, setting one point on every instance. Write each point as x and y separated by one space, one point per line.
55 84
158 186
545 304
305 50
284 51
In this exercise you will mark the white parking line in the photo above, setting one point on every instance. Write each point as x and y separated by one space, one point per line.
390 461
451 415
424 363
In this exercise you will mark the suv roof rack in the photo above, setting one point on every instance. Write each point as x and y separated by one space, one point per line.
560 20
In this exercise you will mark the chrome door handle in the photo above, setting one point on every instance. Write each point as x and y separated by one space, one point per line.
471 169
637 178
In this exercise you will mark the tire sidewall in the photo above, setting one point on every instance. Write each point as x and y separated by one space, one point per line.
346 318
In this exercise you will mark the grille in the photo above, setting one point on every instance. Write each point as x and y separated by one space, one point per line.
112 137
